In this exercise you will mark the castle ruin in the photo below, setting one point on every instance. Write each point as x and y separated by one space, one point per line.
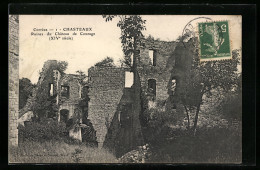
104 98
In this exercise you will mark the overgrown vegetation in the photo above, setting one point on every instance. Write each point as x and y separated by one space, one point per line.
215 145
107 62
45 105
209 103
199 80
47 141
44 130
217 140
25 91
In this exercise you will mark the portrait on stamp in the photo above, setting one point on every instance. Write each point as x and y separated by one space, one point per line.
214 40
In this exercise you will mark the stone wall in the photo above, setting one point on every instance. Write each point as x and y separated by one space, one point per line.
161 72
72 82
105 92
13 78
72 102
74 97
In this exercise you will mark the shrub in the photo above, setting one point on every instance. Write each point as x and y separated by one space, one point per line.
107 62
43 130
155 120
155 114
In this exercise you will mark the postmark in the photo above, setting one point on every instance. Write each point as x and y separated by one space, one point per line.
214 41
190 31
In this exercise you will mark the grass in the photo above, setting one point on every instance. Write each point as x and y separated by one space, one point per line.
58 152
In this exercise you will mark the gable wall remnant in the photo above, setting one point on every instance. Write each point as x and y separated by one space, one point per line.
106 86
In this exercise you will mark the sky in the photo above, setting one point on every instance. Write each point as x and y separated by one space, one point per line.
84 51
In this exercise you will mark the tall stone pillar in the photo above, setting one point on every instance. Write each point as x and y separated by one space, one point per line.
13 79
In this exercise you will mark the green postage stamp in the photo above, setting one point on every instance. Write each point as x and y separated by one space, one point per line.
214 41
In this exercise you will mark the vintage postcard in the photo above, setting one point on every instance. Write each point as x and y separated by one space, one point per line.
125 89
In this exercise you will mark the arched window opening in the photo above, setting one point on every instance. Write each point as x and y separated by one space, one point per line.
64 115
65 91
152 86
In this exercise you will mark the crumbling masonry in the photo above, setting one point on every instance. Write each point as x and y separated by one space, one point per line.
152 79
